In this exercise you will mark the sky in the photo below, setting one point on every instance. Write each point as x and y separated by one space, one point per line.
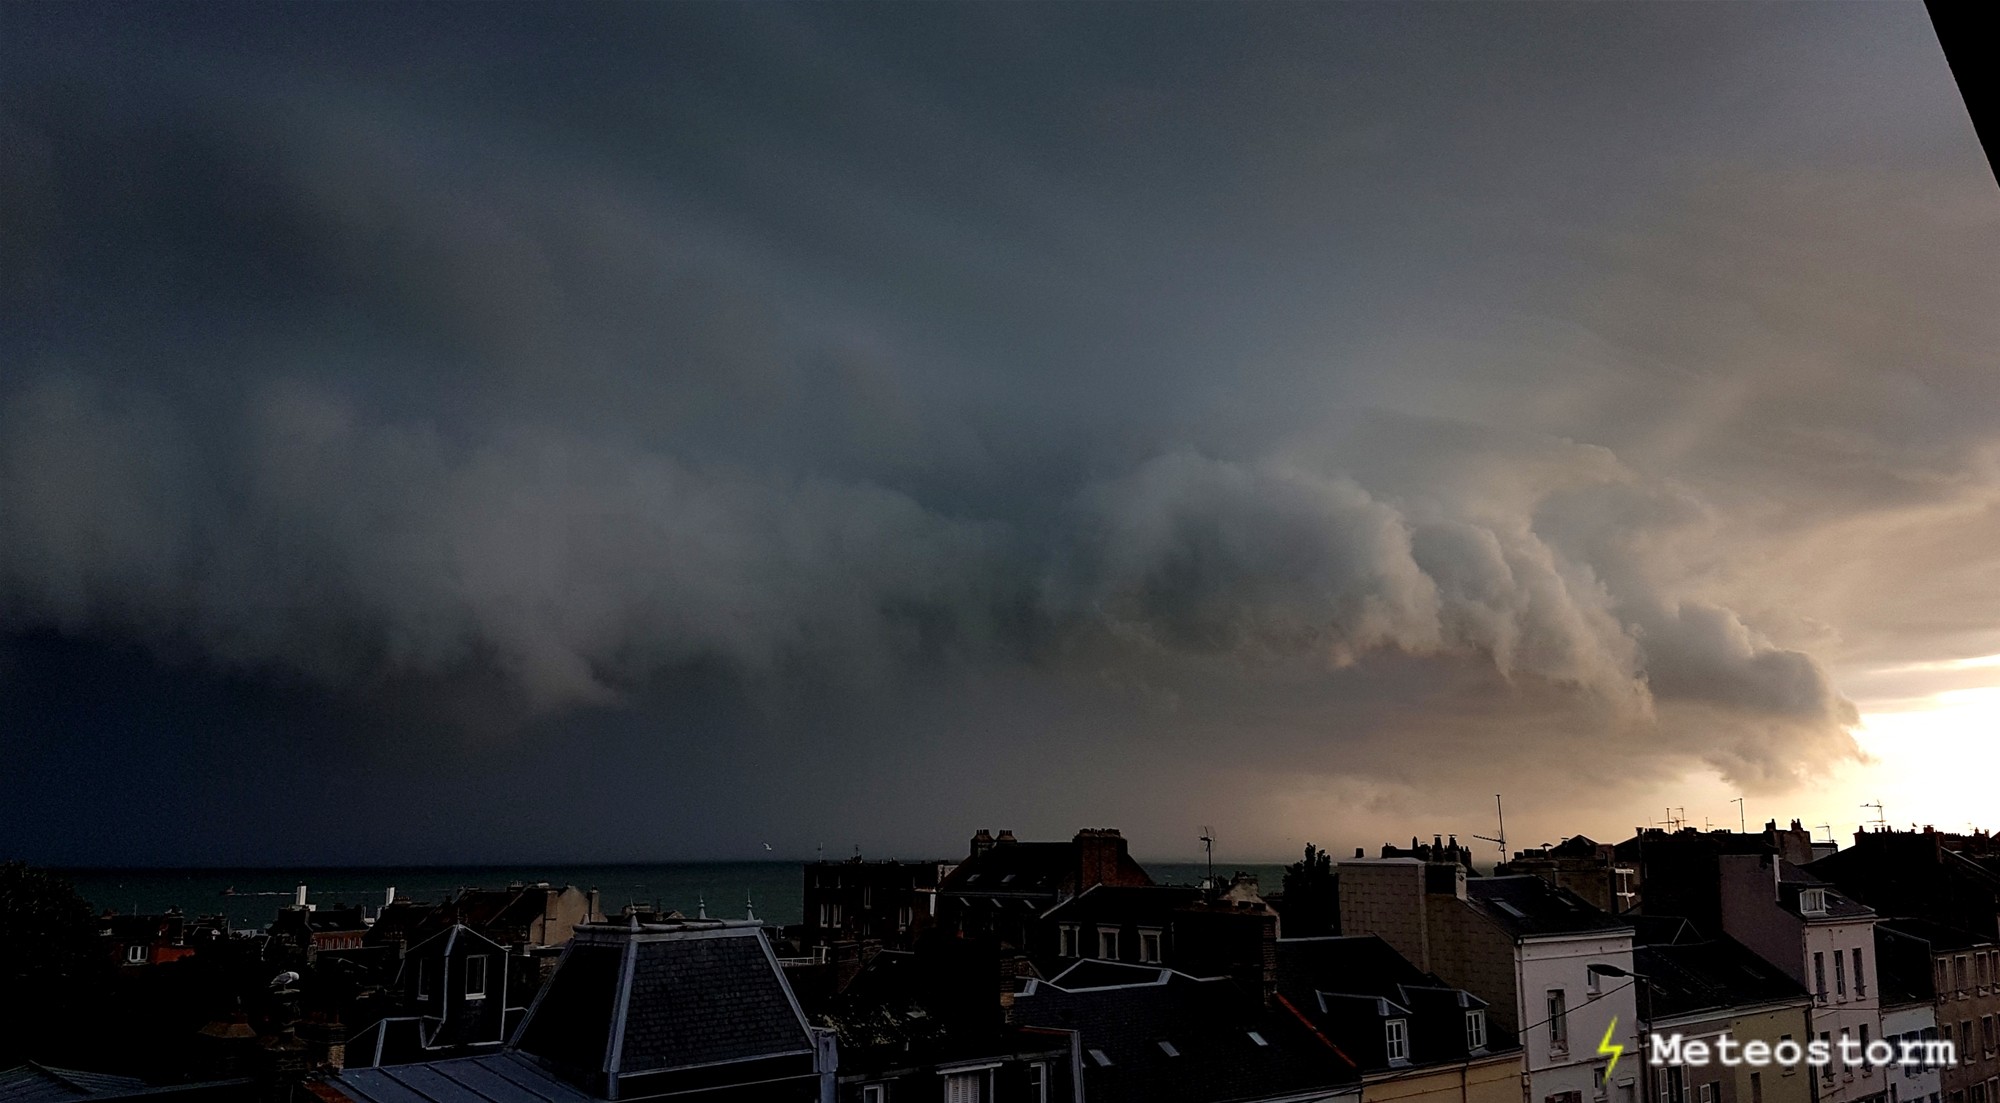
497 433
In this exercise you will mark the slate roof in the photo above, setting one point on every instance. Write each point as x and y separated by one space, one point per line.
1713 975
698 994
33 1083
1151 905
1209 1026
1526 906
490 1078
1792 880
1942 937
1010 869
1350 986
707 999
1096 973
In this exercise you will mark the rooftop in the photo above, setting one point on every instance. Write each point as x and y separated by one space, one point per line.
1528 906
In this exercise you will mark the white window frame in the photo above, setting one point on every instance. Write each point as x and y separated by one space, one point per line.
1038 1082
1151 939
968 1087
472 993
1558 1008
1069 940
1107 944
423 980
874 1093
1396 1040
135 954
1475 1030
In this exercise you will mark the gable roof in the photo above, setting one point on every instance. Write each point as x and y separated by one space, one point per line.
1527 906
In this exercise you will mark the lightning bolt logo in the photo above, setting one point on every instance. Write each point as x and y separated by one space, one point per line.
1607 1047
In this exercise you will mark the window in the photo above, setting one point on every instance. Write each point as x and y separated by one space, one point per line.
1839 976
1257 1038
836 916
1866 1068
1986 1033
1672 1084
867 897
1958 972
1826 1070
1149 947
1107 943
1597 1081
135 955
1812 901
903 919
475 978
1038 1082
1066 941
1705 1093
1167 1048
1819 975
1475 1030
1098 1056
1789 1069
423 978
1943 978
1396 1033
966 1087
825 915
1860 978
1756 1087
1558 1019
874 1093
1982 970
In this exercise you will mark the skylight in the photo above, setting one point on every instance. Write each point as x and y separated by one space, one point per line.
1098 1056
1167 1048
1258 1038
1510 909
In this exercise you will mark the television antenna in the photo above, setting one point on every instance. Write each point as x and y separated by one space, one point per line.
1879 823
1208 847
1500 842
1742 822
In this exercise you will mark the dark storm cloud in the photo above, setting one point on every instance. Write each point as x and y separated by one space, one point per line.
1344 392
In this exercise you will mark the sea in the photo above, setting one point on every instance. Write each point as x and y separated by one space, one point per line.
250 898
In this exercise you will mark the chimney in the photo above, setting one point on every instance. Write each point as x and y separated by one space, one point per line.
594 912
1099 851
1007 969
388 896
299 896
982 841
1359 853
1005 836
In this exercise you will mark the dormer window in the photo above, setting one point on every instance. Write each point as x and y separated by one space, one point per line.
1396 1033
1812 901
1475 1030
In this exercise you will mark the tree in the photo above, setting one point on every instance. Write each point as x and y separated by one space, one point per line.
52 967
1311 903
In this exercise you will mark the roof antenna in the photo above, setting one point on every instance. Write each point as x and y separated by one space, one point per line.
1742 823
1500 842
1208 845
1879 823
